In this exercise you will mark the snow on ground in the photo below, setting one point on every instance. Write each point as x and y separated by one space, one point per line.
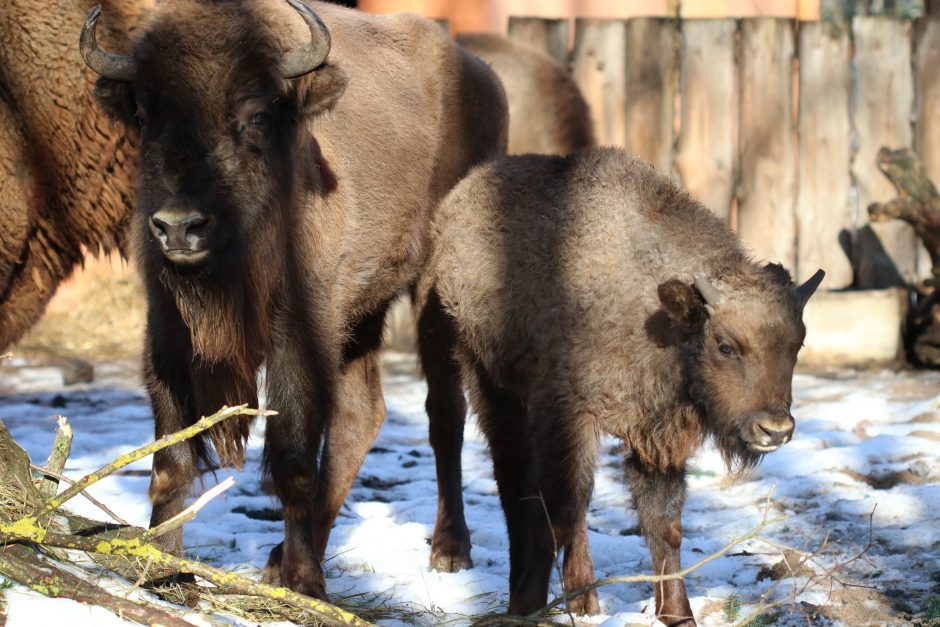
866 448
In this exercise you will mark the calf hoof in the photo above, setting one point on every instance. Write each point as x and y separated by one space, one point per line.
450 553
586 604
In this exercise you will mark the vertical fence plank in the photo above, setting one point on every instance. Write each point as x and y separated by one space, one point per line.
598 64
885 253
705 161
767 181
550 36
651 66
927 111
927 102
824 202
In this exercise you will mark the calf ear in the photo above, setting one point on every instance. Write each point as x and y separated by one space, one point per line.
319 90
117 100
681 302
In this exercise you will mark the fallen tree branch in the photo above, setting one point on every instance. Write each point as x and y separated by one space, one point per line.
24 566
607 581
104 508
187 514
61 447
149 449
23 531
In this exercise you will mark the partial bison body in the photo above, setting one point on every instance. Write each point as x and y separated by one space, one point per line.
591 294
291 159
547 112
66 170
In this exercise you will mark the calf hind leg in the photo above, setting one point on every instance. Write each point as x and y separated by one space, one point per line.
502 420
446 408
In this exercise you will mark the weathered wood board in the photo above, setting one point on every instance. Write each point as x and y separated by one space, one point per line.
885 254
651 83
550 36
598 65
766 189
824 212
709 111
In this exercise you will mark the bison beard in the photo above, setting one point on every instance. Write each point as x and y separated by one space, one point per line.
281 207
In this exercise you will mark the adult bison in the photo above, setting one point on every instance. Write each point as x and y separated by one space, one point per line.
547 112
590 294
291 159
66 170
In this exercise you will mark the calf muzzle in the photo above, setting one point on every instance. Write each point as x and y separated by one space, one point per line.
768 431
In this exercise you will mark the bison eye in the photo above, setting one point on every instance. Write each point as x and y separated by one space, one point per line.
725 348
259 120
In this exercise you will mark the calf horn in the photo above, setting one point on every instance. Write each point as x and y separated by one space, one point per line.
104 63
707 290
305 59
806 290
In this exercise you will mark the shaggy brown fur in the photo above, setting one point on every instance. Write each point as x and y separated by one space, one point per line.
314 197
570 284
547 113
66 170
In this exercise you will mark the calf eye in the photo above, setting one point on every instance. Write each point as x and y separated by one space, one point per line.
725 348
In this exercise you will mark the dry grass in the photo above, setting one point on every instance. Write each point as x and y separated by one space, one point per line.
97 315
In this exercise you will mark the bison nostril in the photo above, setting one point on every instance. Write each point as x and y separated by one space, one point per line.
178 230
775 436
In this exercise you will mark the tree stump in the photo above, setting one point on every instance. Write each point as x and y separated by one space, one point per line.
918 204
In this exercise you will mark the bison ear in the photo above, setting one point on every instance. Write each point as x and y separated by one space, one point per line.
117 100
681 302
319 90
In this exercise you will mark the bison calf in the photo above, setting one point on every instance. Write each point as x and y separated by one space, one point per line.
591 294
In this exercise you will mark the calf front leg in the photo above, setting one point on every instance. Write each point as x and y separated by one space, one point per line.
578 572
658 497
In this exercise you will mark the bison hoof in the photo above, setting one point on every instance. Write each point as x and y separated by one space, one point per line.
450 554
586 604
271 574
299 575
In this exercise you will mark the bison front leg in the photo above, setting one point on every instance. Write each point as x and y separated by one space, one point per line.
357 417
167 359
301 389
579 572
447 409
658 497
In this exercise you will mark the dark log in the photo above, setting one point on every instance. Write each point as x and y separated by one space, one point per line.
918 202
24 566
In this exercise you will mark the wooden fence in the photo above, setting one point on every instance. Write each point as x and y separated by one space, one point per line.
774 124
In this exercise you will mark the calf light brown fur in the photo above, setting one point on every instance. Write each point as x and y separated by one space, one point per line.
590 294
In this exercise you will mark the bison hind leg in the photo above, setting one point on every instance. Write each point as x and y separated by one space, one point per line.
446 407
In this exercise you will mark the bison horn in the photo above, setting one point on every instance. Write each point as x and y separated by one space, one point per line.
707 290
305 59
104 63
806 290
